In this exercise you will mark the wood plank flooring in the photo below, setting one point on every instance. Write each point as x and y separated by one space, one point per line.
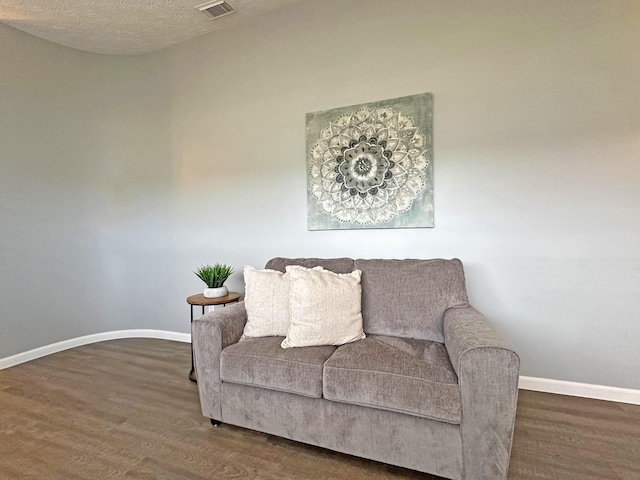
125 409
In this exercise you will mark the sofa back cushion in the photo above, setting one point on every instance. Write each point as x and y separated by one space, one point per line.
408 298
337 265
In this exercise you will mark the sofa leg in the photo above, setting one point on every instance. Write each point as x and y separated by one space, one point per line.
215 423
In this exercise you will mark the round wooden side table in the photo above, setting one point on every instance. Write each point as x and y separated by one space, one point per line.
201 300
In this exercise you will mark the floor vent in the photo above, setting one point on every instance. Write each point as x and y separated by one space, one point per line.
213 10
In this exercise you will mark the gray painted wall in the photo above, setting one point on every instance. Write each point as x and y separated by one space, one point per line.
84 170
536 141
536 173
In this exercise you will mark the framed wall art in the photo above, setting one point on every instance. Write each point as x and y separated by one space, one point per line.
370 165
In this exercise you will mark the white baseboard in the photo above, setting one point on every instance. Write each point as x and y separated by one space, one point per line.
87 339
574 389
586 390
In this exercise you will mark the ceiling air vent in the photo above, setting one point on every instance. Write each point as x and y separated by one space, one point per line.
213 10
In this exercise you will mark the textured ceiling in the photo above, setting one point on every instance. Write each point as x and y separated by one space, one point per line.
123 27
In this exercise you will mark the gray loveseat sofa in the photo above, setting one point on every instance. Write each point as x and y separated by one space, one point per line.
433 387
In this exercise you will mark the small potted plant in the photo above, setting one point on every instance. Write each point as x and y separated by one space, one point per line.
214 276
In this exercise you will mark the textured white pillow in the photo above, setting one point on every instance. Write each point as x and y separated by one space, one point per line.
325 307
266 300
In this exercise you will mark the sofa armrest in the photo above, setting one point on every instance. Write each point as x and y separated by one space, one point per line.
210 334
487 369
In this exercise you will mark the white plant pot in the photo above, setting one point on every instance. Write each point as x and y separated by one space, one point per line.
215 292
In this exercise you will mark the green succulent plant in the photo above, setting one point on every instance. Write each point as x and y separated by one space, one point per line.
214 275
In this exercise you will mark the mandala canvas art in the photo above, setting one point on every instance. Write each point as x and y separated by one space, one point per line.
370 165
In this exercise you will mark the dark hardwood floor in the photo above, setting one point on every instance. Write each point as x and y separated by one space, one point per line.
125 409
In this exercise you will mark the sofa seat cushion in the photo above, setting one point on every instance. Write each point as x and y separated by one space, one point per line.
261 362
399 374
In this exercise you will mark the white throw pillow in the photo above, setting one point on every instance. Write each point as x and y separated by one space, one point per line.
266 300
325 307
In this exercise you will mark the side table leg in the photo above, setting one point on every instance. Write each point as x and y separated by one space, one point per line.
192 373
